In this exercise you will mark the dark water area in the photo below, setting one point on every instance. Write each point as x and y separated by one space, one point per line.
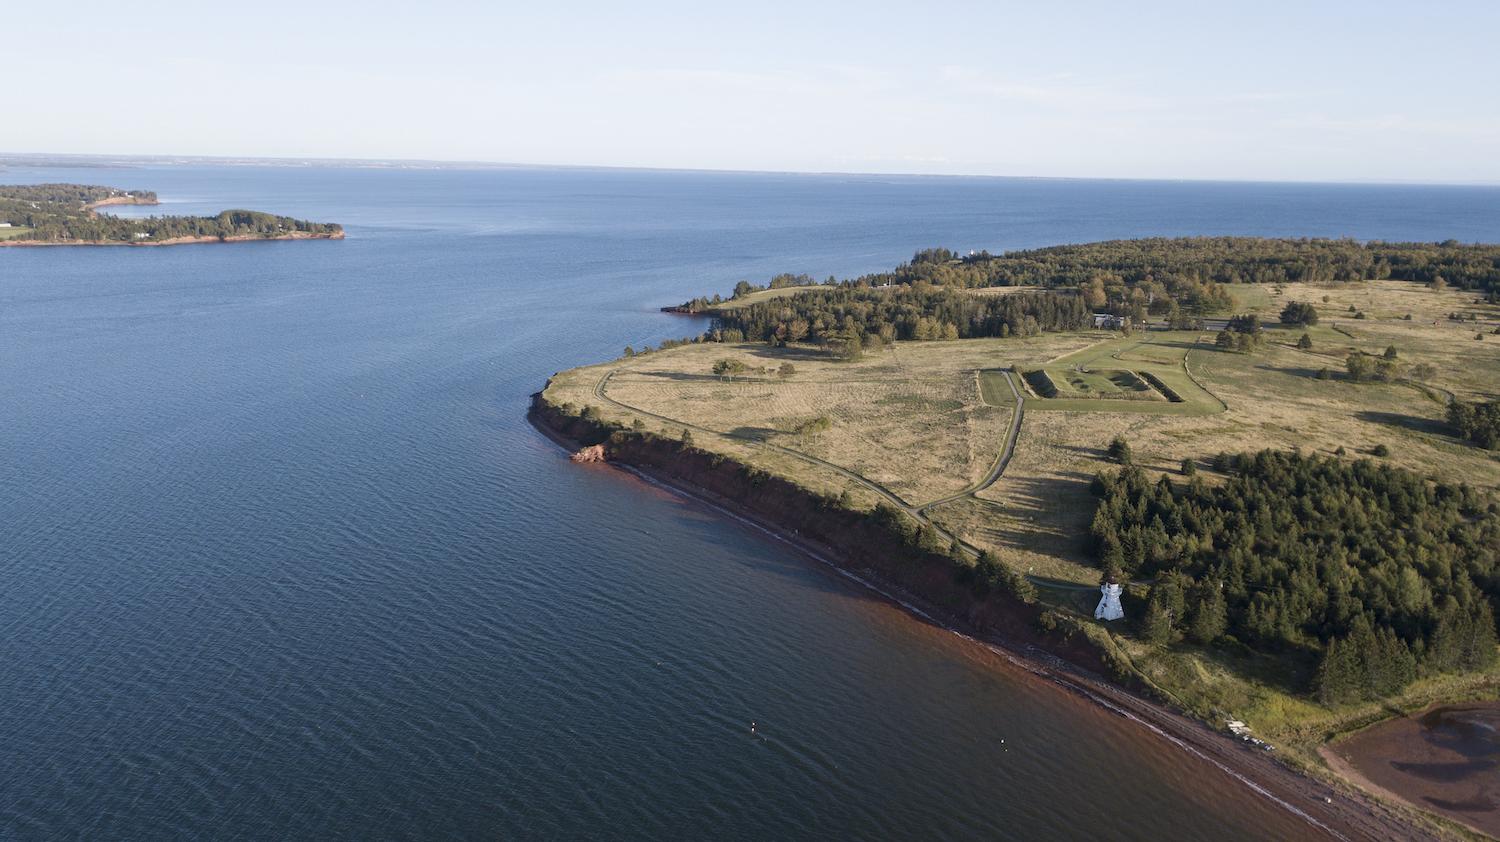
280 557
1446 759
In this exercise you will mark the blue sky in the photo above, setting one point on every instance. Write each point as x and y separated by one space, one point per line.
1326 91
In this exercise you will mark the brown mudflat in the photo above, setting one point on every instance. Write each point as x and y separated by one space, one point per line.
1445 759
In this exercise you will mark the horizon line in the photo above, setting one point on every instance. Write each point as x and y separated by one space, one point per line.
41 159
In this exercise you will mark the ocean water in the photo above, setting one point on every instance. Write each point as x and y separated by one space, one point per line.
281 558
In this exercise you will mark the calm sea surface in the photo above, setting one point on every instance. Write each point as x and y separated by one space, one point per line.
280 557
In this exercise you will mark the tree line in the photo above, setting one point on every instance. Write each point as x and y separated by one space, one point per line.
863 316
1177 277
1229 260
1381 573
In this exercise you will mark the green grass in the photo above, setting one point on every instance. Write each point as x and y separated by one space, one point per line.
1135 406
1086 357
1148 353
1081 384
1114 366
1250 298
14 233
1104 384
993 389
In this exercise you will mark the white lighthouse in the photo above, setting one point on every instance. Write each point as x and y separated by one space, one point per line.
1109 603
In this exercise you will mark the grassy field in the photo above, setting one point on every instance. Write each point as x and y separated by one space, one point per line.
1251 298
926 419
14 233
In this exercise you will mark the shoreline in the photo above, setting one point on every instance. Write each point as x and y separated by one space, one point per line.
174 241
1344 765
1336 810
118 200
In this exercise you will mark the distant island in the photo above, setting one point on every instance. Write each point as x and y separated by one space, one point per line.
1279 454
65 215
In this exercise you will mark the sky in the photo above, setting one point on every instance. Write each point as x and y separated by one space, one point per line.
1307 91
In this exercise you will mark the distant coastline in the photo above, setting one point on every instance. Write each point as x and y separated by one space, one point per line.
176 241
67 215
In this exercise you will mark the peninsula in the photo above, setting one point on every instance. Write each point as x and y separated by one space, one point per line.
1284 451
65 215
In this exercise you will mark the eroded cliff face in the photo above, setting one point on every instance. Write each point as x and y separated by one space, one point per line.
592 453
856 542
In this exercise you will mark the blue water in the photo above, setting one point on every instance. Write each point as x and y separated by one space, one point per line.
280 558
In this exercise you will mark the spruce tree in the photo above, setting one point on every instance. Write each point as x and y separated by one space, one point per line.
1020 586
1156 624
1337 680
1210 614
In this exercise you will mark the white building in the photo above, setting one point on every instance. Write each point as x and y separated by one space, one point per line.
1109 603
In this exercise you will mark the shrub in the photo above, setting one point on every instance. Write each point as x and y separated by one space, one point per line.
814 426
727 368
1299 313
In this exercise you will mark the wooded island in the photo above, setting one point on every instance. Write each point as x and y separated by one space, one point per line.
64 214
